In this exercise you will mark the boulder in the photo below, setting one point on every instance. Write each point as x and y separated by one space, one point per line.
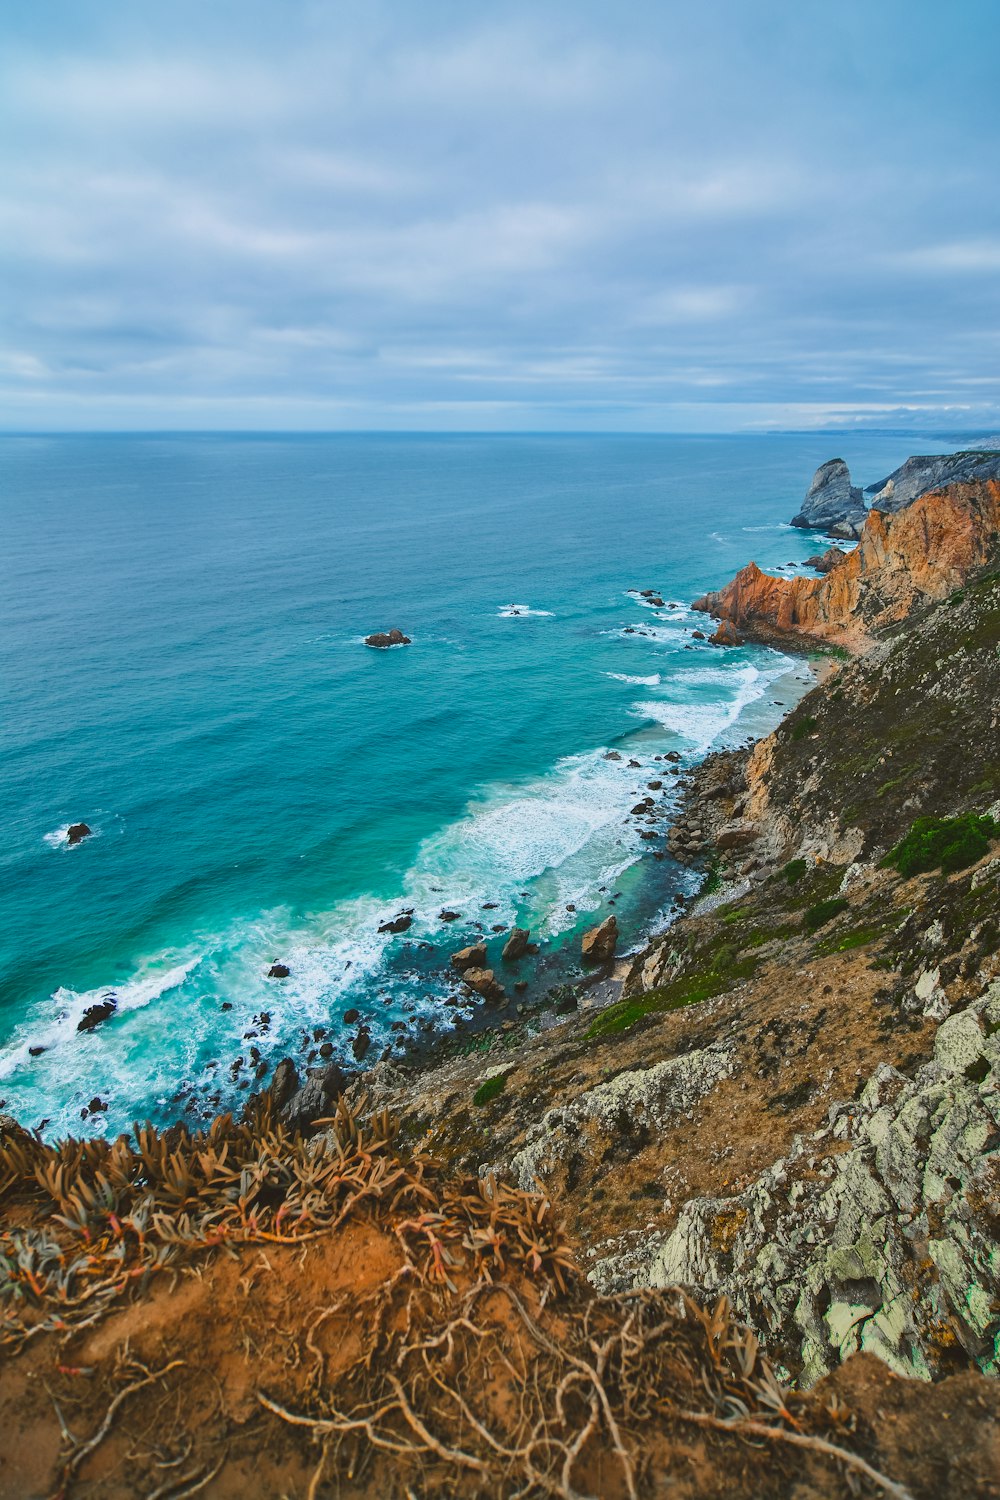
380 639
352 1015
611 755
278 971
598 945
833 502
95 1014
674 755
314 1100
516 945
485 983
697 635
726 635
449 916
77 832
825 562
473 957
735 835
284 1084
361 1044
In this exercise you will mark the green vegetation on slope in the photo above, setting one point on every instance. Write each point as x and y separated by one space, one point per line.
947 844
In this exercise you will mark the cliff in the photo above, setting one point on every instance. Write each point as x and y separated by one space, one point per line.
917 476
903 560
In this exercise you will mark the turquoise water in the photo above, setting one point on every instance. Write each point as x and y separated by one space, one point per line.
183 669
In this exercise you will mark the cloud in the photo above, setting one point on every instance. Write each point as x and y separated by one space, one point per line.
377 215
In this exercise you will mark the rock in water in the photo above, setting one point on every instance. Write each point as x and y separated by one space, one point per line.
473 957
726 635
284 1084
516 945
380 639
598 945
77 832
95 1014
485 983
398 924
832 502
278 971
825 562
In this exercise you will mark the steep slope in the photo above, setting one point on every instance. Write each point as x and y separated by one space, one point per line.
918 475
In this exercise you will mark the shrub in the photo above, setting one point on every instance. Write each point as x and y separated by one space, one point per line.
804 727
823 912
794 870
491 1088
946 844
711 882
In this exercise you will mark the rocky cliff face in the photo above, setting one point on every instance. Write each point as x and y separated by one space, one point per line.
832 503
902 561
921 474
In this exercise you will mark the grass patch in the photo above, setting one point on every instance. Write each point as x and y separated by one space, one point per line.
858 939
817 916
947 844
804 727
794 870
726 970
491 1088
712 881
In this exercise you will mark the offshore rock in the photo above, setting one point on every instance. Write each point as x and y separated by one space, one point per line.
726 635
516 945
381 639
485 983
598 945
825 562
77 832
473 957
832 502
95 1014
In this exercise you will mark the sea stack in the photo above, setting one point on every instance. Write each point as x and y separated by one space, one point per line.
832 502
381 639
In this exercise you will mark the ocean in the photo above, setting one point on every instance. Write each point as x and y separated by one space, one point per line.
183 669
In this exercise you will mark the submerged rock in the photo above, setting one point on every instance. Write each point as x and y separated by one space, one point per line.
380 639
598 945
95 1014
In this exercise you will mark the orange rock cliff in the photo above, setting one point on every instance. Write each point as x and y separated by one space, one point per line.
904 559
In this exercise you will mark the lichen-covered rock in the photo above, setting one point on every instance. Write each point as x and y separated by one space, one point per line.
648 1097
879 1233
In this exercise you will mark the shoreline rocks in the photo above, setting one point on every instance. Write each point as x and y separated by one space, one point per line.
598 945
516 945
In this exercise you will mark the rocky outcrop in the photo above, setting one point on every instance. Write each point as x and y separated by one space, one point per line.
381 639
95 1014
726 635
879 1232
77 832
473 957
825 562
832 502
516 945
598 945
903 560
918 476
315 1099
485 983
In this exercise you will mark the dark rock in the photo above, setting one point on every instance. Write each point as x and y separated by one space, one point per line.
531 949
36 1051
449 916
352 1015
278 971
825 562
648 833
77 832
520 986
95 1014
473 957
697 635
326 1050
516 945
322 1088
490 905
361 1044
598 945
398 924
673 755
612 755
97 1106
284 1084
634 765
654 786
383 638
226 1005
832 503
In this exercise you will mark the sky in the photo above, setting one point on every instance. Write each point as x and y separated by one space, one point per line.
669 216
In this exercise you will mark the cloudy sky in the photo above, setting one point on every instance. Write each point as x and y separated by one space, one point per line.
676 215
